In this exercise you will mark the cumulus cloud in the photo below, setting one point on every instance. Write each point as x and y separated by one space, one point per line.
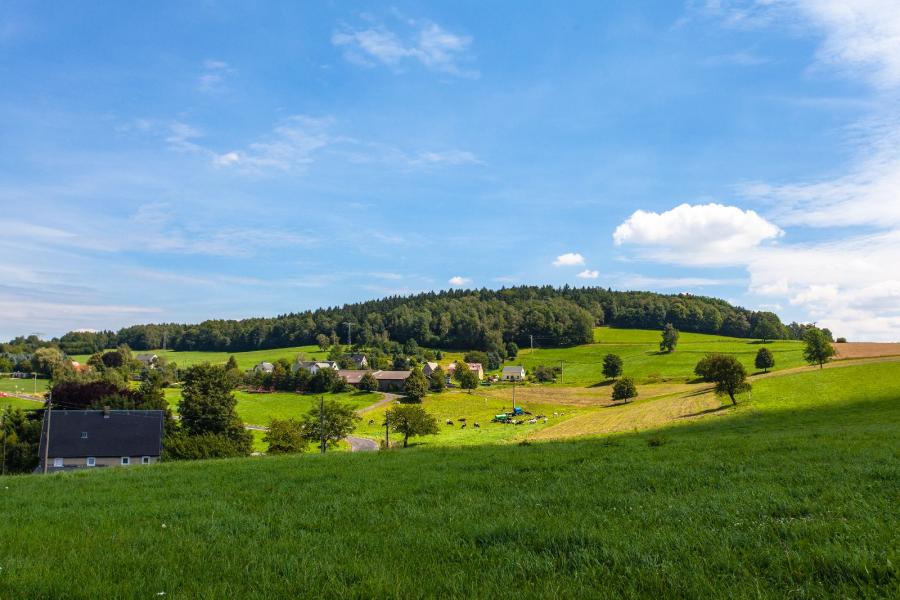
697 234
588 274
426 42
569 259
459 281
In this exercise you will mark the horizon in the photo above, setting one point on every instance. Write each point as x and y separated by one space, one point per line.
179 163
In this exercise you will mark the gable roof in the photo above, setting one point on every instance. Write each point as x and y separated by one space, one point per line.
145 357
352 376
391 374
123 433
514 369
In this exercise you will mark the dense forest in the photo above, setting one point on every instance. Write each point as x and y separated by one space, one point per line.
483 319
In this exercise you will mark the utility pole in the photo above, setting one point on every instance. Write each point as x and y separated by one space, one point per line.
387 434
47 437
531 337
322 422
514 397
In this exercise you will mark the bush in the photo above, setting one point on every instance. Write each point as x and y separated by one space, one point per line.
285 436
368 383
544 374
205 445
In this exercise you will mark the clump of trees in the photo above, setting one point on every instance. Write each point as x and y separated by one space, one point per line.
328 423
437 381
416 386
817 347
612 366
669 338
410 421
545 374
20 435
624 389
466 377
285 436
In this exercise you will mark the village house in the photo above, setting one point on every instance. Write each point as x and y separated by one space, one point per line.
264 367
429 368
476 367
102 438
313 366
352 376
516 373
148 360
360 361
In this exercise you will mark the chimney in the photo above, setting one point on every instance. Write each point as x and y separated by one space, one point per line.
106 412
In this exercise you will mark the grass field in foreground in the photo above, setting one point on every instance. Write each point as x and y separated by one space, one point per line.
793 495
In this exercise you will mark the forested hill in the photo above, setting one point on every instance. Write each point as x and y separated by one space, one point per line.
482 319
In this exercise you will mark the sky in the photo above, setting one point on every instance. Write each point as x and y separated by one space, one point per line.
181 161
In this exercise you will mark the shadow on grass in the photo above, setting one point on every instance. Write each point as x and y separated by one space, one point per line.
708 411
605 383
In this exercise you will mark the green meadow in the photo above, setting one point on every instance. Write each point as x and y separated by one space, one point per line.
793 493
27 386
245 360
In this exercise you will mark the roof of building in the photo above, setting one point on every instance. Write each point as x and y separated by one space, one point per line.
352 376
77 433
472 366
357 356
322 364
265 366
146 357
391 374
514 369
432 365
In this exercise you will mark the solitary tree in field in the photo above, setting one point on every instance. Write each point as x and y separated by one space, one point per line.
727 372
323 342
669 339
330 421
624 389
818 347
285 436
765 360
768 327
368 383
416 386
411 420
612 366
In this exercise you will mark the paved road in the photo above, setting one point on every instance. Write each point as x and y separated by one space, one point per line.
358 444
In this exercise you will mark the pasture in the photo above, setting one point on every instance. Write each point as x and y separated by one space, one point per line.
26 386
245 360
794 493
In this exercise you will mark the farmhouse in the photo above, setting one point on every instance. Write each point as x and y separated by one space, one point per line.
313 366
429 368
476 367
516 373
148 360
264 367
102 438
391 381
360 360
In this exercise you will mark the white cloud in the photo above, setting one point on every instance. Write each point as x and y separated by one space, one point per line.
588 274
641 281
744 58
569 259
696 234
428 44
212 78
459 281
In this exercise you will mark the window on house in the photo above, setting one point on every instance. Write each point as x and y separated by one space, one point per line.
84 435
145 460
126 460
57 462
91 461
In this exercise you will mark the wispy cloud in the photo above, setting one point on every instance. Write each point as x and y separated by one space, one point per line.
423 42
213 76
744 58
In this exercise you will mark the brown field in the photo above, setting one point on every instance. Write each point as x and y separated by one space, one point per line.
866 350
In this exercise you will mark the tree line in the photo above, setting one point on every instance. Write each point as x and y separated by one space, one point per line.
476 319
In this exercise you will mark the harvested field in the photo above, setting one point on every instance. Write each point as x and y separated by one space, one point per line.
866 350
600 395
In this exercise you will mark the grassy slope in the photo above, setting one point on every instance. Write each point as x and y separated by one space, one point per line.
246 360
792 494
639 349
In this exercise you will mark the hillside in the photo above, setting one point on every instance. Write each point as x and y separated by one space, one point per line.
484 319
791 493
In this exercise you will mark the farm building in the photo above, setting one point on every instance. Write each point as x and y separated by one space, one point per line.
264 367
516 373
352 376
313 366
391 381
476 367
102 438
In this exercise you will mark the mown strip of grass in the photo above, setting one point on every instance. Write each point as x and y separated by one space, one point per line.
794 495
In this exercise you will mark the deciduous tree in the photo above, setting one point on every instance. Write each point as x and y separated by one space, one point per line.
817 349
669 339
765 360
328 420
285 436
411 421
416 386
624 389
612 366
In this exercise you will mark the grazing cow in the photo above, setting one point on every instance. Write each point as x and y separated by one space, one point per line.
532 421
476 425
371 421
545 419
450 422
463 426
461 419
556 414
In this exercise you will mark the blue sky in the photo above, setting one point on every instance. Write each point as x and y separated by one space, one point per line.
181 161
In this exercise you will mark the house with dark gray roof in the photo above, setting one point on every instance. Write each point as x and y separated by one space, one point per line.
101 438
360 360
